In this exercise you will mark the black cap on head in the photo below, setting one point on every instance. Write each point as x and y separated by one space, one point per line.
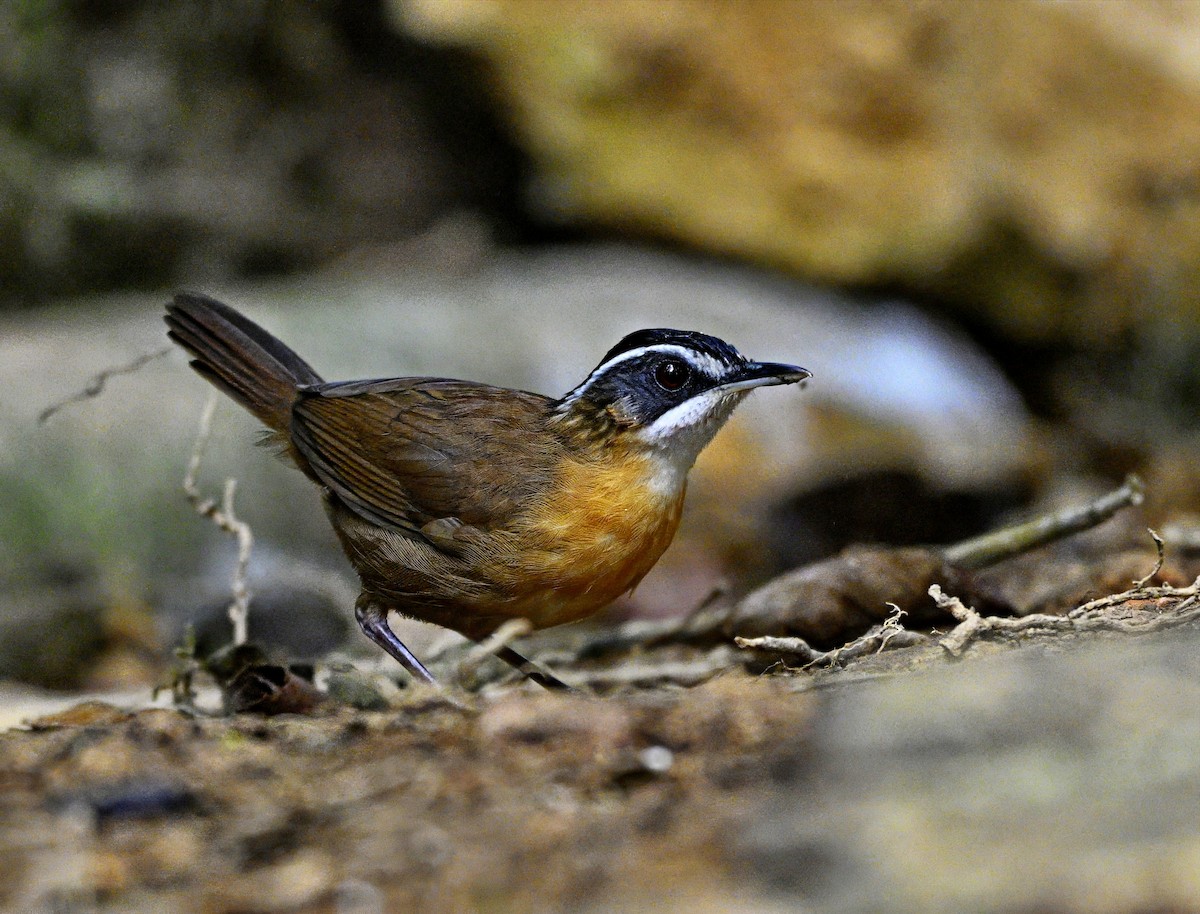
658 336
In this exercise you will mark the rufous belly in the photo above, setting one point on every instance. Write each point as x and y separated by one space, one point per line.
604 528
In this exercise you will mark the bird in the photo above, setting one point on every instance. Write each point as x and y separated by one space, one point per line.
467 505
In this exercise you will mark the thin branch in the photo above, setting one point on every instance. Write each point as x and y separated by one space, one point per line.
676 672
1137 593
95 386
997 545
889 635
502 637
1096 616
790 647
239 609
970 623
705 615
223 516
1158 544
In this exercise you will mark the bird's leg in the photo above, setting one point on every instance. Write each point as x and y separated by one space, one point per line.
372 619
532 671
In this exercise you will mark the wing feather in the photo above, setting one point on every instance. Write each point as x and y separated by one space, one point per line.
408 452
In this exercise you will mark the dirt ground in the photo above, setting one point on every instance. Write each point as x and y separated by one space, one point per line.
1038 770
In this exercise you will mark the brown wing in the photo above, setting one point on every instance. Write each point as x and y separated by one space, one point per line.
412 451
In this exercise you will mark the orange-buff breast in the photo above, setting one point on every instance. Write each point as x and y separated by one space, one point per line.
605 527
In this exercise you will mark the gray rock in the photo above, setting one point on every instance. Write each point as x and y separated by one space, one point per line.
1039 779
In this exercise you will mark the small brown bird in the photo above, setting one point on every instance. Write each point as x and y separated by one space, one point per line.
468 505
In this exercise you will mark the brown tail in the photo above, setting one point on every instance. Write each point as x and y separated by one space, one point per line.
240 358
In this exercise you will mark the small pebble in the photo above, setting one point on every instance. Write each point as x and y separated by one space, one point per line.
657 759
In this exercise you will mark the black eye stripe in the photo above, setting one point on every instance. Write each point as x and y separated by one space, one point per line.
644 368
653 371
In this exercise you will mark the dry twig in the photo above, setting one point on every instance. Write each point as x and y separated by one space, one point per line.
95 386
709 615
1096 616
1158 544
223 516
673 672
791 647
702 616
990 548
501 638
890 634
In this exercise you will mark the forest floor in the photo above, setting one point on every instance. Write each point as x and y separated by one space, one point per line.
1020 764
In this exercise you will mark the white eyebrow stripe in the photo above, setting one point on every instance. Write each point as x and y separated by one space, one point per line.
698 360
664 348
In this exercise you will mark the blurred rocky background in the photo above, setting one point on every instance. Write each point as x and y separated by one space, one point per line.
976 224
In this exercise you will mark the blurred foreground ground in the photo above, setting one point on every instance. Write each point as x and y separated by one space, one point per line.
1061 776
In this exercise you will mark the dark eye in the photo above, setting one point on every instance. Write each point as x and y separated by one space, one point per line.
672 374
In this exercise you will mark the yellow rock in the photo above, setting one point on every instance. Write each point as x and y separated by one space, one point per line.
1037 162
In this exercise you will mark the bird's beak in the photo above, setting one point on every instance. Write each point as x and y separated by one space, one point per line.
765 374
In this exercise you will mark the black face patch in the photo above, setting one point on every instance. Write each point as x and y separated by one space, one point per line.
677 366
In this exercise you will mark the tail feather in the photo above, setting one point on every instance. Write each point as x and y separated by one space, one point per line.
239 357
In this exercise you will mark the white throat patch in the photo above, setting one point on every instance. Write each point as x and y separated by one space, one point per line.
683 431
